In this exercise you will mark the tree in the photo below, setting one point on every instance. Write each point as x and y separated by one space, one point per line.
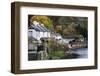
81 29
42 19
69 30
58 29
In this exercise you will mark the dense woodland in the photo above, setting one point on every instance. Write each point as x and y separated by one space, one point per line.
64 25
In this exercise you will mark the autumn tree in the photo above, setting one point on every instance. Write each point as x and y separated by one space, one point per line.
69 30
42 19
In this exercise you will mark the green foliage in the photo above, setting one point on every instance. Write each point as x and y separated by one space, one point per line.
69 30
56 54
73 26
82 30
58 29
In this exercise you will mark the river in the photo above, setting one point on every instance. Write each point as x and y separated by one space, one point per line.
76 53
81 52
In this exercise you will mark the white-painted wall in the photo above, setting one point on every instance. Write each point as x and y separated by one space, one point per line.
32 33
37 34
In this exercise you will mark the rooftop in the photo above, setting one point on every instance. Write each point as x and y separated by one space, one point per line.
38 27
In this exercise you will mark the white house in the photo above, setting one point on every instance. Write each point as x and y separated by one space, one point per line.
38 31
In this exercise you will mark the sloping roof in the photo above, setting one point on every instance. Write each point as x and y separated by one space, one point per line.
39 27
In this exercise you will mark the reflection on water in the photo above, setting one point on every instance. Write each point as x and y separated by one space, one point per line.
82 52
